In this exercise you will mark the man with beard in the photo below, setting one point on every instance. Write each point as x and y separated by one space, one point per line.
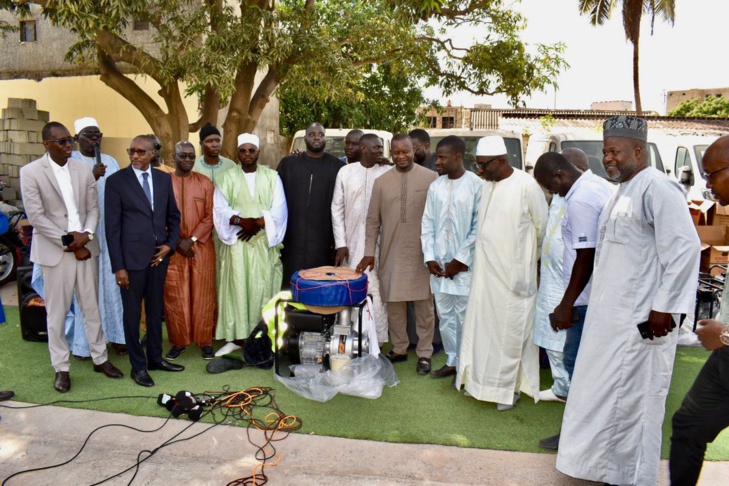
349 217
250 216
421 146
394 217
308 180
352 153
190 285
60 199
498 359
210 163
645 276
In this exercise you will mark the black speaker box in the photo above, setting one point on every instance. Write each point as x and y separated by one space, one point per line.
32 311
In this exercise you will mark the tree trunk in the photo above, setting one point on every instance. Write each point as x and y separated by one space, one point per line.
636 74
238 108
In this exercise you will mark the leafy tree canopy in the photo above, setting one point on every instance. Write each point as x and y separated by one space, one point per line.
318 49
711 107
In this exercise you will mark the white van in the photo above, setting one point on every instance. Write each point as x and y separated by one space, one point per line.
590 142
335 141
683 155
471 137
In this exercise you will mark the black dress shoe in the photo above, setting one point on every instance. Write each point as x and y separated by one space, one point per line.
142 378
423 367
550 443
396 358
62 382
6 395
164 366
443 372
108 369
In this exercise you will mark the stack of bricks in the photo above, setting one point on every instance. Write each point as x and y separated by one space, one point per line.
21 141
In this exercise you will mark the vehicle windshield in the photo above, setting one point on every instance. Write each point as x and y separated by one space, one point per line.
335 146
699 151
593 149
513 145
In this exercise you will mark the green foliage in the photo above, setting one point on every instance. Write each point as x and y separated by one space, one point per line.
319 51
387 98
711 107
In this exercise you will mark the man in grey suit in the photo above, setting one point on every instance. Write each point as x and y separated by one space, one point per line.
59 194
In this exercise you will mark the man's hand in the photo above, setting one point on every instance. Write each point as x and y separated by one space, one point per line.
79 240
562 318
453 268
341 257
122 278
660 324
709 331
243 235
99 170
250 225
82 254
435 269
367 263
186 248
162 252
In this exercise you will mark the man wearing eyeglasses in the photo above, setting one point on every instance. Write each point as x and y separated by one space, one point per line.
704 412
59 194
497 358
89 136
250 217
142 229
190 286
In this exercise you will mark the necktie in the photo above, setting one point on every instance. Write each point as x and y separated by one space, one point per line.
145 186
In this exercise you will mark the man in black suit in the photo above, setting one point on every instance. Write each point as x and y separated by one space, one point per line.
142 228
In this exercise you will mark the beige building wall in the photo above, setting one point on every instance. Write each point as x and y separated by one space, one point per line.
675 98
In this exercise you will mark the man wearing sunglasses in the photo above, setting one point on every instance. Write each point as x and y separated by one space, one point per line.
250 217
59 194
88 137
142 229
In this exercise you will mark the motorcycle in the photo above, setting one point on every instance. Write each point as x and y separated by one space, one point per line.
13 250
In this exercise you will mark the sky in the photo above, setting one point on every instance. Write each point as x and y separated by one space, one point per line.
691 54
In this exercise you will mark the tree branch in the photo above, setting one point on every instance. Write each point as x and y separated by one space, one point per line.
121 50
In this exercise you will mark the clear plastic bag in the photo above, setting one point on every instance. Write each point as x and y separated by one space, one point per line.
363 377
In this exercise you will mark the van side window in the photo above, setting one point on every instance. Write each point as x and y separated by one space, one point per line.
655 157
682 158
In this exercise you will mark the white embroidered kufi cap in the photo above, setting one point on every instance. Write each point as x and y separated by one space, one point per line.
248 138
491 146
85 122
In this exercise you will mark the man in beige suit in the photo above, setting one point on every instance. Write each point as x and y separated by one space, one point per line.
59 194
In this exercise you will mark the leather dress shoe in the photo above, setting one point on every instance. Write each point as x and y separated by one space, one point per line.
108 369
164 366
423 367
443 372
550 443
396 357
62 382
6 395
141 377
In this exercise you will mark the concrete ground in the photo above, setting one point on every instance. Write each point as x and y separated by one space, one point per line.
43 436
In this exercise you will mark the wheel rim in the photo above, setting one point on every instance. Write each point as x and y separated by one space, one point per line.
6 265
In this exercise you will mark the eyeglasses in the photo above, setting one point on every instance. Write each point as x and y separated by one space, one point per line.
483 165
96 134
709 175
140 152
184 156
247 150
62 141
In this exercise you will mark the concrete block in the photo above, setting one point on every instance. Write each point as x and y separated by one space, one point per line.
30 113
34 137
3 136
21 103
6 148
17 136
9 193
44 116
13 113
14 159
14 182
27 125
3 170
29 149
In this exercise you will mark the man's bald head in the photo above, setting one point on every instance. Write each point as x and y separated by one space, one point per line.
577 157
715 164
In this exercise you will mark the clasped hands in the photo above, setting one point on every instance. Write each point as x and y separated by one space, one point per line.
250 226
78 246
452 268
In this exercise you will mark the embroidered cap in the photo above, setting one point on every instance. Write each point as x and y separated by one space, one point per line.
85 122
625 126
490 146
248 138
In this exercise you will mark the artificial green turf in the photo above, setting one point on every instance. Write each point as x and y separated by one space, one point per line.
418 410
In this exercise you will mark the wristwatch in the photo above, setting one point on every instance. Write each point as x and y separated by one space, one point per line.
724 336
91 236
194 239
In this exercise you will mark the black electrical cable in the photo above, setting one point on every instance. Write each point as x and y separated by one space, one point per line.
90 400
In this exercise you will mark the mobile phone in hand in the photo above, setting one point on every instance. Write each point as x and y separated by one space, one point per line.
645 332
66 240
